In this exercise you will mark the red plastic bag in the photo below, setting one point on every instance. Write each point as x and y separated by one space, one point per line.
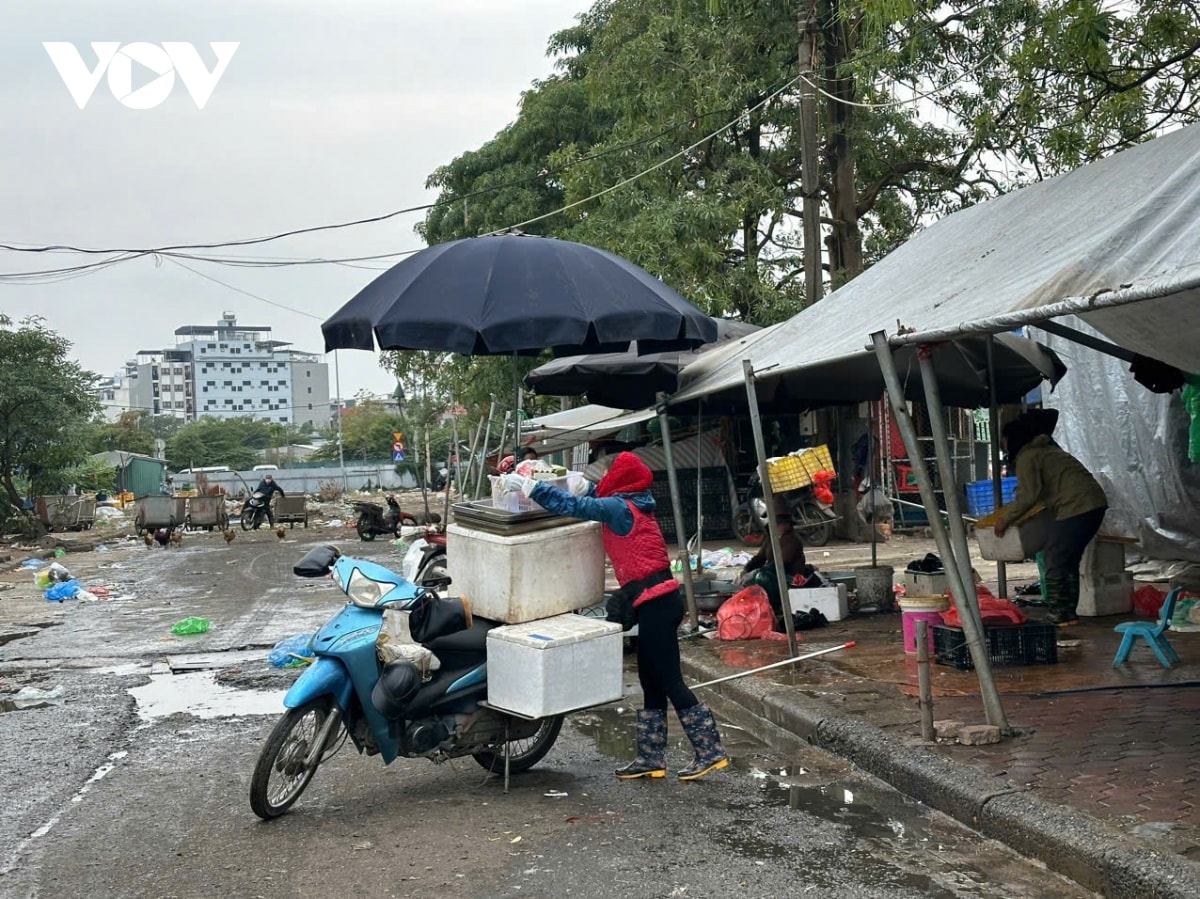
1147 601
992 609
821 490
747 615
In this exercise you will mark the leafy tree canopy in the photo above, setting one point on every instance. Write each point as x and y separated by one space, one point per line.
46 403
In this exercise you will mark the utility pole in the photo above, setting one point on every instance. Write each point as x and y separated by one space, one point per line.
809 180
337 376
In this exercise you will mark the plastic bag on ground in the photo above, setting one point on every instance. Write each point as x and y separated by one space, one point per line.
993 610
747 615
292 652
33 698
1147 601
190 626
59 592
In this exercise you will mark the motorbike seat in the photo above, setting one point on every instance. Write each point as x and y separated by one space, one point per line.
471 640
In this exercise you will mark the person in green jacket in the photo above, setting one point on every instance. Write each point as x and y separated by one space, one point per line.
1049 475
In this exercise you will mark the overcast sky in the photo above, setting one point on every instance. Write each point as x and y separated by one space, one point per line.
326 113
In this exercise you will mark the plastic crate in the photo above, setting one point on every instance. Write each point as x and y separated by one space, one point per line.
981 498
1025 644
796 470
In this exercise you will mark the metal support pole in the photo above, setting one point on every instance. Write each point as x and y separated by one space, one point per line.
924 683
871 467
971 630
954 512
699 489
994 429
680 533
760 447
487 435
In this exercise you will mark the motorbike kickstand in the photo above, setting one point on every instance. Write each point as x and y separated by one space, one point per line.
507 753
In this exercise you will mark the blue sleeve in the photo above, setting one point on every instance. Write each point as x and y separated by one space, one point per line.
610 510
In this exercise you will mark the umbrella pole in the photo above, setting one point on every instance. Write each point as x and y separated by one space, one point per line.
760 446
680 533
451 464
425 479
465 481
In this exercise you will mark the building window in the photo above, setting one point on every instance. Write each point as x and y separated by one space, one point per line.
310 391
307 374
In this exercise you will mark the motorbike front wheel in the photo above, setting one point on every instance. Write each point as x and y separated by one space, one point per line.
746 528
249 519
283 756
523 754
816 529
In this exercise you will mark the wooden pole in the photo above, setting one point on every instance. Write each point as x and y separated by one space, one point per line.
923 680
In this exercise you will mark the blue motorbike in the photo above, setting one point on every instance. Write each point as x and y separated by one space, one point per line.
397 709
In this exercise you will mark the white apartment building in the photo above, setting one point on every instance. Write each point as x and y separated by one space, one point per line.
229 370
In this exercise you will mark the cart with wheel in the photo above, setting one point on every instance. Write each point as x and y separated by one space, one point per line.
156 512
291 510
206 512
67 513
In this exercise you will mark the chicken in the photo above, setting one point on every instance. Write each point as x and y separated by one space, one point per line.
149 540
161 536
176 539
229 535
279 532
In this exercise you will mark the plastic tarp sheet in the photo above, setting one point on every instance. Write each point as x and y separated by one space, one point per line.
1135 443
1115 241
563 430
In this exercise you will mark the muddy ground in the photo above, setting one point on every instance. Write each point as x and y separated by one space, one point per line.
134 782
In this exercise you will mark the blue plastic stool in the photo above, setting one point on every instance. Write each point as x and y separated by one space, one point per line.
1154 634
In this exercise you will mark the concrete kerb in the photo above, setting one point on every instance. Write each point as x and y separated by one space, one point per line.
1073 843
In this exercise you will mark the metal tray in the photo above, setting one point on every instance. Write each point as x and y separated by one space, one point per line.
483 516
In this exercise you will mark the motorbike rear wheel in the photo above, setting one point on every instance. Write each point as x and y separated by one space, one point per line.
283 754
523 754
364 531
816 529
746 528
249 519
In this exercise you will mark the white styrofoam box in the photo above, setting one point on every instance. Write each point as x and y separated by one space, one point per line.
1103 557
526 577
924 583
832 602
1020 542
554 665
1105 594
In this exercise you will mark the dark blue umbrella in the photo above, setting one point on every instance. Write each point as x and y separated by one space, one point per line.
517 294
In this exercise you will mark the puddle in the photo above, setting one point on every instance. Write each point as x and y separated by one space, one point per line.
869 813
123 669
199 694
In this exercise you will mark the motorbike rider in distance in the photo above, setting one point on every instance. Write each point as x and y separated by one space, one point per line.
266 487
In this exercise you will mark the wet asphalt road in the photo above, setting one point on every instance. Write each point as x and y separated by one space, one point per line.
106 797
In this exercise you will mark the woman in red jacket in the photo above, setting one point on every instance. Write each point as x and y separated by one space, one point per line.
624 506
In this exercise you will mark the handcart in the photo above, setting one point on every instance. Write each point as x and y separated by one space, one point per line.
206 512
157 512
67 513
291 510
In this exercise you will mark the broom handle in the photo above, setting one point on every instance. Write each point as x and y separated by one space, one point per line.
811 655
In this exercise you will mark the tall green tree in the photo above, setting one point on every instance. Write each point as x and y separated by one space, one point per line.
46 403
219 441
129 433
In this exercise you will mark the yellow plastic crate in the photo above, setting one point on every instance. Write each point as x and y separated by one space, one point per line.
796 470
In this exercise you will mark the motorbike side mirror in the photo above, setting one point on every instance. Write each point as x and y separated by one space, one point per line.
317 562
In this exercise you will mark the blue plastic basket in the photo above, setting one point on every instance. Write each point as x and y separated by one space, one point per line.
980 501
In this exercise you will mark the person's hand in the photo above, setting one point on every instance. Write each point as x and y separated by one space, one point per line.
1000 527
512 483
578 485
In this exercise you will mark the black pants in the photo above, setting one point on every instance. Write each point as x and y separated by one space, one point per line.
1067 540
658 653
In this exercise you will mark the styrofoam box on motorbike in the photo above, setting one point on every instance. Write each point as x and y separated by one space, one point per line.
526 577
553 666
832 602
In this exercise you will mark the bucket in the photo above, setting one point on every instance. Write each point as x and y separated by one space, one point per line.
920 608
874 587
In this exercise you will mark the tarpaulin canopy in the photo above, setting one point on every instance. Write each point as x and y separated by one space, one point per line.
1115 241
562 430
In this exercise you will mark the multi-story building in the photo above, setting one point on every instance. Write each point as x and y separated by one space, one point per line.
230 371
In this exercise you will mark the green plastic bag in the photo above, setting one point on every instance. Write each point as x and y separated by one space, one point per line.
190 626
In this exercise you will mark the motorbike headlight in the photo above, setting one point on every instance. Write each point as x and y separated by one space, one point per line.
364 591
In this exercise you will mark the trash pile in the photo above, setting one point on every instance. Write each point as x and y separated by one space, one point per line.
59 585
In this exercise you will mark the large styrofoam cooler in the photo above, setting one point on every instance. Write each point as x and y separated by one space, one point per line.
832 602
527 577
553 666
